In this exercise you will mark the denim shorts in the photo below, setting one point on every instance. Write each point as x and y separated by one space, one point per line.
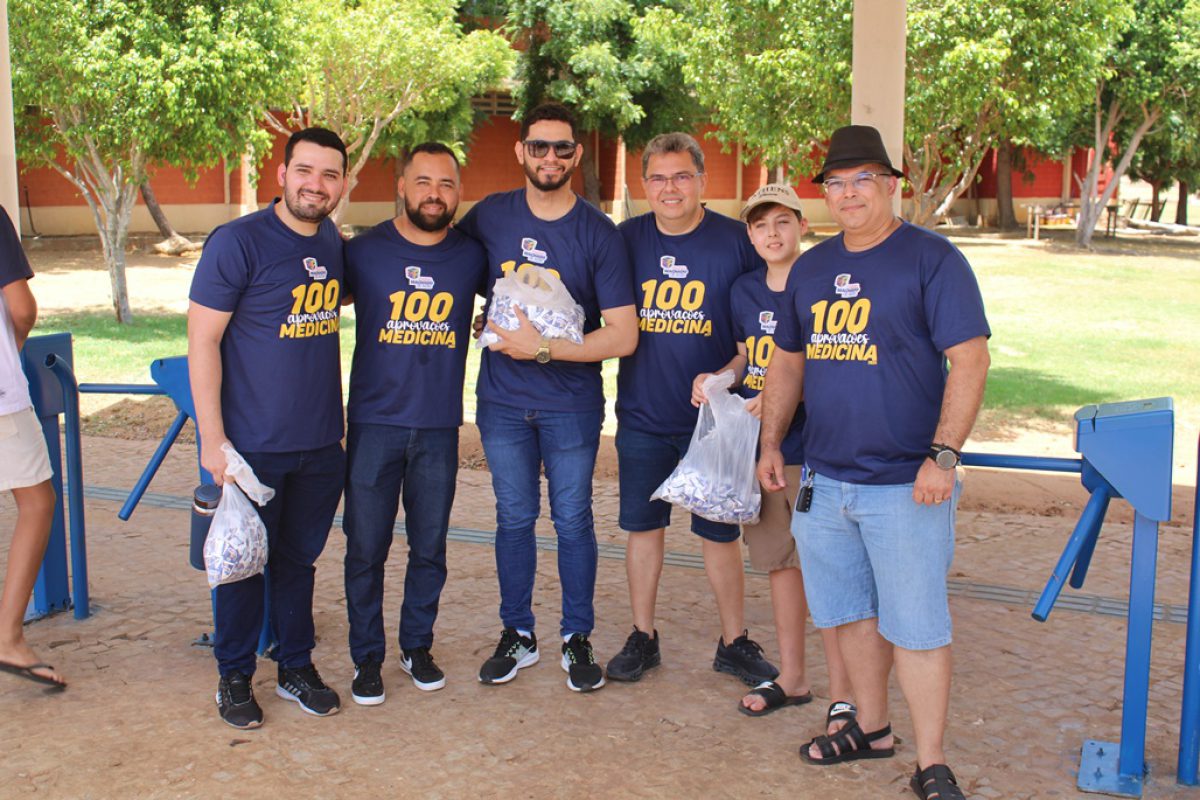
644 461
872 551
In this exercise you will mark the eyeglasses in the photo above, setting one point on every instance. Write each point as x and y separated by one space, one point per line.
538 148
682 180
836 186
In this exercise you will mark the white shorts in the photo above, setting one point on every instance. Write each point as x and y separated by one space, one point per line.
23 457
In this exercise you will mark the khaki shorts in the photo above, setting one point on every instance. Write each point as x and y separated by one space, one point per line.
23 458
770 540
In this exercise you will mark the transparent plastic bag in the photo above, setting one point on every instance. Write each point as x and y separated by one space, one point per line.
541 295
716 477
236 546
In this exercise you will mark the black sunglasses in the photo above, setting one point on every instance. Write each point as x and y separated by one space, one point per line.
539 147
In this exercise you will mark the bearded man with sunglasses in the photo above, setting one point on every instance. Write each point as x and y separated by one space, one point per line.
685 259
541 401
879 310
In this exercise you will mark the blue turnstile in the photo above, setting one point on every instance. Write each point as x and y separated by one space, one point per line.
1127 452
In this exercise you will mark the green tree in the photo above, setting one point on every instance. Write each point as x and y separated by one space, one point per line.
364 66
108 87
1169 154
773 75
598 57
982 72
1153 69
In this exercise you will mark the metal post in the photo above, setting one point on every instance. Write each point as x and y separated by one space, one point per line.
1189 718
74 472
1132 762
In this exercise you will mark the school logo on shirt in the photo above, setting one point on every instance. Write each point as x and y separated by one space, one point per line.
843 286
416 279
529 250
768 322
315 270
671 269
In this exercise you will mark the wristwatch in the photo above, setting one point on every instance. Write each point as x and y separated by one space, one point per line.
543 352
945 456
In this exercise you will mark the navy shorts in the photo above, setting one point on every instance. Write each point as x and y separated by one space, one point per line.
644 461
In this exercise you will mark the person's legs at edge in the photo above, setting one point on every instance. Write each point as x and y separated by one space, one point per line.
924 677
35 512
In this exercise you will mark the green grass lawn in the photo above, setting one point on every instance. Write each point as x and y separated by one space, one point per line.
1069 328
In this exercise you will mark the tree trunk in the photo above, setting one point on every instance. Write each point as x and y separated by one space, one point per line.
1091 206
1181 209
174 244
1156 201
1004 189
114 235
591 176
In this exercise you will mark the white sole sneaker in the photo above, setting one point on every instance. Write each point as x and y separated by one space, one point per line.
566 665
375 700
406 665
286 695
527 660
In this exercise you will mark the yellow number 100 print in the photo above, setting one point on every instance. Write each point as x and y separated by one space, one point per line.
314 297
841 316
416 306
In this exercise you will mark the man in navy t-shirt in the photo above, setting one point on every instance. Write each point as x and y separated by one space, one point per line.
266 378
413 280
685 259
540 400
878 311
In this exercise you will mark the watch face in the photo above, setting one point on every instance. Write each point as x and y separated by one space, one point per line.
946 459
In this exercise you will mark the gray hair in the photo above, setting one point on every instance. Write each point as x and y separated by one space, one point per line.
673 143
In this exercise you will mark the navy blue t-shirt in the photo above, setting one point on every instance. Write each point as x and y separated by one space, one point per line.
873 327
756 311
413 306
684 326
586 251
281 389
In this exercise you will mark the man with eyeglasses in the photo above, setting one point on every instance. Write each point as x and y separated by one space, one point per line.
879 311
540 401
685 258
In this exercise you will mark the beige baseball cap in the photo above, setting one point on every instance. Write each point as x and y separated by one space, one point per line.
778 193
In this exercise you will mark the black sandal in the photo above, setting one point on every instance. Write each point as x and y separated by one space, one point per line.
840 710
935 782
848 744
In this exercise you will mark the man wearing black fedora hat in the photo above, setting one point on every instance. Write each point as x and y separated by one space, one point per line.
879 310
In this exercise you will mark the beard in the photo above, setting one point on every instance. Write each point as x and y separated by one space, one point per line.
546 185
310 210
430 223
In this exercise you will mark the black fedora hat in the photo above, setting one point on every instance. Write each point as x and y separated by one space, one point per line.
852 146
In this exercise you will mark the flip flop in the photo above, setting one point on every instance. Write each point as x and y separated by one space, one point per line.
776 698
27 672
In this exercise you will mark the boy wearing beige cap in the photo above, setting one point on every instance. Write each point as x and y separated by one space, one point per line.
775 224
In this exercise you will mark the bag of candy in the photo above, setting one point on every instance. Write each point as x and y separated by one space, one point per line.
236 547
541 295
715 479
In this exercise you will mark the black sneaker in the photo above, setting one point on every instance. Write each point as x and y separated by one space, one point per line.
639 654
236 703
304 685
579 662
418 663
367 687
744 658
514 652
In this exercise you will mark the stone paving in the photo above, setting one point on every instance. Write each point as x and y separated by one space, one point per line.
139 721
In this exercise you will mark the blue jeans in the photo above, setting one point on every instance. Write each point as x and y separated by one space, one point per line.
385 464
308 485
517 442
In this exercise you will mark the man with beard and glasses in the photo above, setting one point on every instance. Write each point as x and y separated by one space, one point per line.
413 281
541 401
266 377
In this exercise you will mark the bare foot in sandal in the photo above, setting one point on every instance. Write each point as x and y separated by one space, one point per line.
850 743
17 658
